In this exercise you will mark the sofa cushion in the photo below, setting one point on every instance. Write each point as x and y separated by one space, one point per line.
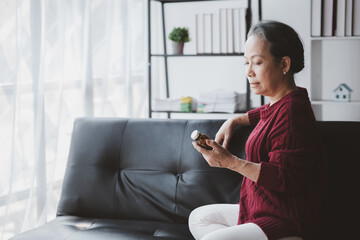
141 169
77 228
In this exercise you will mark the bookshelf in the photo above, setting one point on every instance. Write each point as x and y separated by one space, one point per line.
166 56
334 60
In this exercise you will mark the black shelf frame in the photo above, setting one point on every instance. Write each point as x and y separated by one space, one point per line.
174 1
192 112
199 55
166 56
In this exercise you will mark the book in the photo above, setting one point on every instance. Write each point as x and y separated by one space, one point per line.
236 23
167 104
199 34
208 33
327 18
243 29
230 31
222 31
356 22
340 18
316 18
349 18
221 101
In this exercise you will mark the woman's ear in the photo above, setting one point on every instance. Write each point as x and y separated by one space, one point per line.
285 64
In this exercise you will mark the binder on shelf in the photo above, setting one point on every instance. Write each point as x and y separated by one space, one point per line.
327 18
199 34
349 18
316 18
340 18
230 31
239 23
208 33
222 31
242 29
216 32
236 23
356 22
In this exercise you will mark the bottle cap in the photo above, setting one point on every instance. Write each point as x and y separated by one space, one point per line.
195 134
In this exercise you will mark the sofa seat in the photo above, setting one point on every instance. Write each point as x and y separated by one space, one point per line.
79 228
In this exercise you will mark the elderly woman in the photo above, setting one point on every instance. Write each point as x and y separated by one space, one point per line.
279 197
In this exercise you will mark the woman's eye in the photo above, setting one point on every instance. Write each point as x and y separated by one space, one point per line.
246 63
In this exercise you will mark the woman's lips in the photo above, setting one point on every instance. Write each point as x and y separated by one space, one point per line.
254 84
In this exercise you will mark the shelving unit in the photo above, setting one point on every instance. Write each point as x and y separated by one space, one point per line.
166 55
334 60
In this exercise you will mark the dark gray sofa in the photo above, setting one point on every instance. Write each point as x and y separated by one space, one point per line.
141 178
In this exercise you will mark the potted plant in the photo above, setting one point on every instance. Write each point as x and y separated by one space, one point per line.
179 36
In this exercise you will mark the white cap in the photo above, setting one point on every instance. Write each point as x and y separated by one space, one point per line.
195 134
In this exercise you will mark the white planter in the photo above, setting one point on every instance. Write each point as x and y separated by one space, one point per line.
178 48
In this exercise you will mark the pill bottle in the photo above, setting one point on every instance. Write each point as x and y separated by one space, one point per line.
200 139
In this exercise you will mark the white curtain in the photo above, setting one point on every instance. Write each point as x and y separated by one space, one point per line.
60 59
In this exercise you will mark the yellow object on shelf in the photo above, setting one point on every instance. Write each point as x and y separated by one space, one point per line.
186 99
186 104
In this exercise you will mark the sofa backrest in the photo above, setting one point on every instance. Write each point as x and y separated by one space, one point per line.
144 169
341 141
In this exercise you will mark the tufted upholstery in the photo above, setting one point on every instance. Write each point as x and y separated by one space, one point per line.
141 178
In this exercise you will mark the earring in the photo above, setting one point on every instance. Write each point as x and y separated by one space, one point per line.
284 73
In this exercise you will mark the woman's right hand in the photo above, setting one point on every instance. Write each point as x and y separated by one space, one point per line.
225 132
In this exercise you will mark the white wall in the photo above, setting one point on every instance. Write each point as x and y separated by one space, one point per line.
295 13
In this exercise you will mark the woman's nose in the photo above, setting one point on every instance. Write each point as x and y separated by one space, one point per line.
249 72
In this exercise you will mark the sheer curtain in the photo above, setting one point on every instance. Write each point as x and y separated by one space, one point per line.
60 59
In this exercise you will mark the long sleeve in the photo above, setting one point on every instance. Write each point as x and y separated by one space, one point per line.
254 115
292 154
287 170
284 201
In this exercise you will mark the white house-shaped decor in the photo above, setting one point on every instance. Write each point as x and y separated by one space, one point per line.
342 93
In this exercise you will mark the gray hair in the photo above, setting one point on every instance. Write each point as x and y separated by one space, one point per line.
284 41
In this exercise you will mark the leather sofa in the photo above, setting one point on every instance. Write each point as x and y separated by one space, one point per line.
141 178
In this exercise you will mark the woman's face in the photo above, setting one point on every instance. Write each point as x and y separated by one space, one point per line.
264 74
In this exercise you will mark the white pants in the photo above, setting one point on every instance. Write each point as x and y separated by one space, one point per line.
219 221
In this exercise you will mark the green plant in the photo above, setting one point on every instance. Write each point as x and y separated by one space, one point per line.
179 35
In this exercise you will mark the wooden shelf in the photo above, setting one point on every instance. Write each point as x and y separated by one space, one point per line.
335 38
330 102
199 55
155 111
182 1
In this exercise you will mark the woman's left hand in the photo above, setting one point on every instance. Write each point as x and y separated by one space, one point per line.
218 156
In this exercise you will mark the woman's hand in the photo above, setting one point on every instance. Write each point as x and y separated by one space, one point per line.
221 157
225 132
218 156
